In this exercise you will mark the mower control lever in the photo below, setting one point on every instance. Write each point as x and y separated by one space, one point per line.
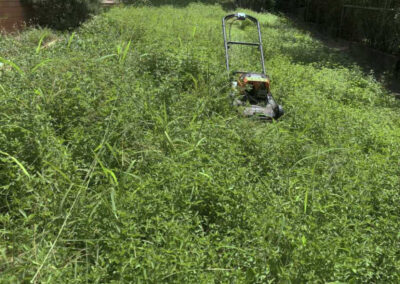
241 16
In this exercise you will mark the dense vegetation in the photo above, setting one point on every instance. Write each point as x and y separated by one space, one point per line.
378 28
122 159
65 14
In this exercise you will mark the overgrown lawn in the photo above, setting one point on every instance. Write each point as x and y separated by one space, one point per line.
122 159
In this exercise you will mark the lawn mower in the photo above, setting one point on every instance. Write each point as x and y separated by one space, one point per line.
251 89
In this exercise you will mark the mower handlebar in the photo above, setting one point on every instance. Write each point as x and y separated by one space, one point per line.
242 17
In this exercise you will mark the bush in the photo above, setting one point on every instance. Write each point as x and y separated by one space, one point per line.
257 5
62 15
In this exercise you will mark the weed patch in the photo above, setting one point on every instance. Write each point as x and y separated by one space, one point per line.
122 159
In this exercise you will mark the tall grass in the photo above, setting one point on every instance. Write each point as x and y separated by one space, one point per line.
122 159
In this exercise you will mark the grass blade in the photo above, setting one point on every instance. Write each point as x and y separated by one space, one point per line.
13 65
71 38
125 53
17 162
106 56
37 66
39 46
113 206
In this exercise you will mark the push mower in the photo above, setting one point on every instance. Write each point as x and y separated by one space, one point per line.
251 89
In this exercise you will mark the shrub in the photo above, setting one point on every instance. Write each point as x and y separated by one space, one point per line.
257 5
62 15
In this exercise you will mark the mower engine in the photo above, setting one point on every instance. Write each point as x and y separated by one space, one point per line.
254 90
254 87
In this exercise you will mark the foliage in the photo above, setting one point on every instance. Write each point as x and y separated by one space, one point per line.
122 159
64 14
257 5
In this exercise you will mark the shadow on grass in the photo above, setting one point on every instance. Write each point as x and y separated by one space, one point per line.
227 5
337 52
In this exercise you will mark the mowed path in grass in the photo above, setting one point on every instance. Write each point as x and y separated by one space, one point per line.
123 160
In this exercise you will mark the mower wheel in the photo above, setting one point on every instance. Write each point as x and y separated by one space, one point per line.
281 111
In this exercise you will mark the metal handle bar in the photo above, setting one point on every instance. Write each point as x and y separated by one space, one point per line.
242 17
